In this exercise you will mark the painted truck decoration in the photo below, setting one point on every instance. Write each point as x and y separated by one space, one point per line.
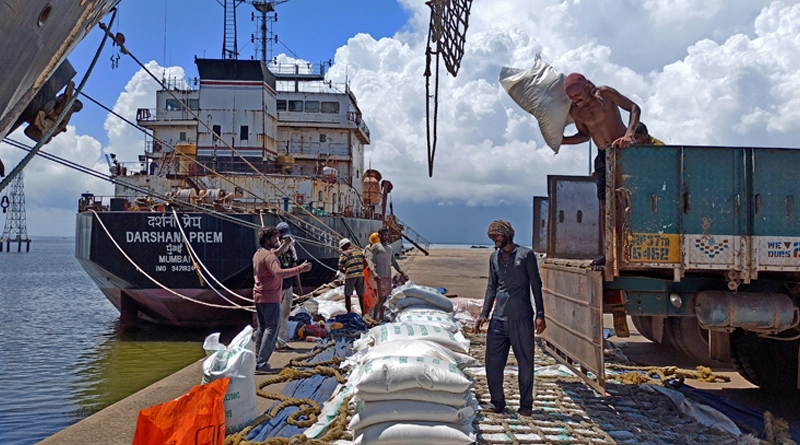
702 248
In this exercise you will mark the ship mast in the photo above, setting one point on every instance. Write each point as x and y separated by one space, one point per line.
265 38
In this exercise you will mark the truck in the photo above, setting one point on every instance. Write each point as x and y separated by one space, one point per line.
702 251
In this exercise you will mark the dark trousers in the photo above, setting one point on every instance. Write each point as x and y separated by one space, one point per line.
517 334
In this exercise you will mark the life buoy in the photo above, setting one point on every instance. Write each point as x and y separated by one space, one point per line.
300 198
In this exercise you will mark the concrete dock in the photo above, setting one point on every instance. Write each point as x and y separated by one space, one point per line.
463 272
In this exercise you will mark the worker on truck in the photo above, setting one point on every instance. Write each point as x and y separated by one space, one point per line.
595 111
513 276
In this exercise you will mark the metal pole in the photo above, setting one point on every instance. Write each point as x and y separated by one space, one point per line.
590 157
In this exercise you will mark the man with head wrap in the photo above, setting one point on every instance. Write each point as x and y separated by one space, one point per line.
513 275
595 111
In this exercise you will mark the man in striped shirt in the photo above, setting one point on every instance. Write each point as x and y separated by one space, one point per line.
351 264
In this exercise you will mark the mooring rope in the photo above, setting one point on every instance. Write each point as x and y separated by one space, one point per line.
156 282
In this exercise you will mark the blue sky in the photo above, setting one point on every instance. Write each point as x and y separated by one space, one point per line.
718 72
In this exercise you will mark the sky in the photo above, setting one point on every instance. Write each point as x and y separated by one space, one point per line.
704 73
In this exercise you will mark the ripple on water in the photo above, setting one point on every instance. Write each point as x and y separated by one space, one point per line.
63 356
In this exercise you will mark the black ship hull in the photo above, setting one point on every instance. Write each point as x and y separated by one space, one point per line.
140 261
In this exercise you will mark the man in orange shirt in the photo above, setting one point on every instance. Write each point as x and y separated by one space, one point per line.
267 295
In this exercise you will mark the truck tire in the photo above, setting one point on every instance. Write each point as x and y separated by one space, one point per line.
644 326
692 340
768 364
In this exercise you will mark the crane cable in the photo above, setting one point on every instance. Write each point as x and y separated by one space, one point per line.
67 107
167 199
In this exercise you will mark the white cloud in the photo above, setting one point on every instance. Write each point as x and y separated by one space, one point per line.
711 73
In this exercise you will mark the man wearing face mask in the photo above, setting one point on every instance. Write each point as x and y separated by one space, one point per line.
513 275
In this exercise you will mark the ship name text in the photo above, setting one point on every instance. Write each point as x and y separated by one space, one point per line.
173 237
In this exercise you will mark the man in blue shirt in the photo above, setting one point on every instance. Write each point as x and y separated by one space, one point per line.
513 275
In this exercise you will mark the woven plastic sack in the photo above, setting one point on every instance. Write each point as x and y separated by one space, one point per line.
428 433
415 348
422 395
540 91
197 417
427 294
406 331
396 373
416 316
371 413
238 363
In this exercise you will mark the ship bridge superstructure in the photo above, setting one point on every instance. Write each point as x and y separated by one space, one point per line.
283 132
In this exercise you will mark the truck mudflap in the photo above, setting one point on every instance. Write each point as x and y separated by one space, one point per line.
573 304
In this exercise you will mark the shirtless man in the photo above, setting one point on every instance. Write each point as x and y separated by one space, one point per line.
596 115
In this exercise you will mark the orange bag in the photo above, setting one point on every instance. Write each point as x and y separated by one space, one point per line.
195 418
370 296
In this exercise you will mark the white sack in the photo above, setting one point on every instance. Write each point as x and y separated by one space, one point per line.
330 309
540 91
406 331
390 374
415 348
413 302
445 321
425 293
237 362
335 294
428 433
371 413
422 395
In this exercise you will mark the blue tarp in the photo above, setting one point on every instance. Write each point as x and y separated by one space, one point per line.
317 388
737 412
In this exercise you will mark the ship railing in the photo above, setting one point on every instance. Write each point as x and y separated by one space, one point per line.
355 118
326 238
318 149
408 233
163 114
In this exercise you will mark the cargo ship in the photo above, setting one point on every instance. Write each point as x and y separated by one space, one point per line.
240 147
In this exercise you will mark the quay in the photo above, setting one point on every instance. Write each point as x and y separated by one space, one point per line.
463 272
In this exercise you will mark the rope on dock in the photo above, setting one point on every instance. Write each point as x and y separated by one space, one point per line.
307 408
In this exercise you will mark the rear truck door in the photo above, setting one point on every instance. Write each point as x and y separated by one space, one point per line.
572 291
713 206
776 222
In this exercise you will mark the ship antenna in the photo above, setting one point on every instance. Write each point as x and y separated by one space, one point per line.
164 57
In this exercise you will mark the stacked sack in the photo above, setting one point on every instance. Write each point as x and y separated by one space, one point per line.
407 376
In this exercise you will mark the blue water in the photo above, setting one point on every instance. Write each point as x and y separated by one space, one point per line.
62 355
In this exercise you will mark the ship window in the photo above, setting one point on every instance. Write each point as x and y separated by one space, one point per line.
323 138
173 105
182 136
320 195
194 104
330 107
281 105
312 106
295 105
244 131
333 198
217 129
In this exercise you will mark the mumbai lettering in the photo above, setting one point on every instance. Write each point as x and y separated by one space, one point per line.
173 237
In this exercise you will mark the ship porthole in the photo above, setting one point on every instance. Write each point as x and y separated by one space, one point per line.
45 14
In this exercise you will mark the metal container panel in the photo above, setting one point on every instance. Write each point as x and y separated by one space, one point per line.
573 305
574 218
540 211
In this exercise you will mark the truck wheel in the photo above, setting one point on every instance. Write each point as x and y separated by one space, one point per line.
644 326
769 364
692 340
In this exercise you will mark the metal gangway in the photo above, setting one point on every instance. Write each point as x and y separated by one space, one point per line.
409 234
